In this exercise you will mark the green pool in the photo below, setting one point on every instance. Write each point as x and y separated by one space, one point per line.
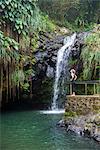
32 130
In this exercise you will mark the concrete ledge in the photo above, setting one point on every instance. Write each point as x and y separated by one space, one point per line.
82 104
84 96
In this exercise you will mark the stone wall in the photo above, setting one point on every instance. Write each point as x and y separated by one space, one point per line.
83 104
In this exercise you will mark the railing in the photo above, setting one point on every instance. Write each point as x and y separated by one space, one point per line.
95 83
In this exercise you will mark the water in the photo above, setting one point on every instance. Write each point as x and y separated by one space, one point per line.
55 111
33 130
62 67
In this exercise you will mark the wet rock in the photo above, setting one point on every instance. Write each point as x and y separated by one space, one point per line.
75 129
87 125
50 43
97 138
50 72
61 123
79 42
64 30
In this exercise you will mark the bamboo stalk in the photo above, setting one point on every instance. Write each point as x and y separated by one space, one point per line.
1 83
7 83
18 89
9 79
13 86
30 66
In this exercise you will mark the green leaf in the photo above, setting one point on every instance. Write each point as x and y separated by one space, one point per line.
19 31
17 27
15 5
3 6
7 2
21 26
16 47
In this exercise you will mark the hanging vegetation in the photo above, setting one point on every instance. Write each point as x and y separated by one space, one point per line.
19 13
20 22
24 16
9 48
91 55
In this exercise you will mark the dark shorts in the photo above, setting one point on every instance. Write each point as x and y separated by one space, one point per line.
73 86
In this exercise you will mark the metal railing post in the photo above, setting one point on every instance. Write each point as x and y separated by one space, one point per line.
70 88
85 88
94 89
95 83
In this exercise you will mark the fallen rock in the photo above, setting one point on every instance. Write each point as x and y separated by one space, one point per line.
88 125
61 123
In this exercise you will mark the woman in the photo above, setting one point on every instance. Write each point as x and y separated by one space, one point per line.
73 78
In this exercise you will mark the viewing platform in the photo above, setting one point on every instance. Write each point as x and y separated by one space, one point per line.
83 101
83 87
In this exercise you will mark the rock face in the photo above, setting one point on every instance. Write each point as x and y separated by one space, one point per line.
49 44
88 125
46 56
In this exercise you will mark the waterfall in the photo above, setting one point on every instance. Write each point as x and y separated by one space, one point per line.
61 67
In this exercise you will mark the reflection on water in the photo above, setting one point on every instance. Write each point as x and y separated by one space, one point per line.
31 130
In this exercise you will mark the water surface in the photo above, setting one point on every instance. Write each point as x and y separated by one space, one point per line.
33 130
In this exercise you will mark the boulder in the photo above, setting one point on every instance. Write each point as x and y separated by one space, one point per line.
61 123
88 125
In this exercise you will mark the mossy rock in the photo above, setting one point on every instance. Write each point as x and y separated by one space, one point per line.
70 114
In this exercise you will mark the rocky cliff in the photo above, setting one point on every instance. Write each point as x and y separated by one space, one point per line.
46 56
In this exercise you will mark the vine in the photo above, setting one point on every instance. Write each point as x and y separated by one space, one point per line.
24 16
20 13
21 21
9 48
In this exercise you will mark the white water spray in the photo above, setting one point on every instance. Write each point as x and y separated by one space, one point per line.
62 62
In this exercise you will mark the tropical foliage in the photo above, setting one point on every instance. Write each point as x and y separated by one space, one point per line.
91 55
9 48
74 14
24 16
20 21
